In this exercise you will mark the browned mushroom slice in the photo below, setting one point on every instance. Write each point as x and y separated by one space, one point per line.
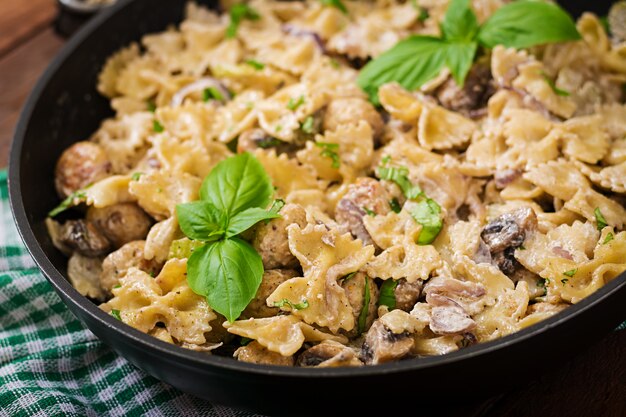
258 307
117 263
80 165
120 223
382 345
366 195
328 354
83 237
407 293
450 319
505 234
254 352
270 239
471 99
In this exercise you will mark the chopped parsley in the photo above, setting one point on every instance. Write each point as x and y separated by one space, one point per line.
239 12
212 93
394 204
116 314
600 220
308 125
329 150
136 176
369 212
609 237
278 128
255 64
157 127
571 272
552 84
294 306
399 175
295 103
116 286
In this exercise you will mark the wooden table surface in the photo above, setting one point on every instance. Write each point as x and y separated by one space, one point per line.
592 384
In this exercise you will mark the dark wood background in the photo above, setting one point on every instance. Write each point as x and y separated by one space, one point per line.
592 384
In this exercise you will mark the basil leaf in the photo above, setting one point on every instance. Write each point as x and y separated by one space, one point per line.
459 23
236 184
600 220
201 220
238 13
365 309
228 273
400 175
427 213
244 220
411 62
526 23
387 295
459 60
336 4
183 248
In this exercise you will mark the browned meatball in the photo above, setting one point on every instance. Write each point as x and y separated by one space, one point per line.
121 223
117 263
83 237
271 280
366 195
407 293
343 111
354 288
270 239
254 352
81 164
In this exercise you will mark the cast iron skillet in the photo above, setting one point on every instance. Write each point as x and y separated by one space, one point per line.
65 107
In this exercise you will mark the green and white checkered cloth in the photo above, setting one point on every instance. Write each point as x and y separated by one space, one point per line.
51 365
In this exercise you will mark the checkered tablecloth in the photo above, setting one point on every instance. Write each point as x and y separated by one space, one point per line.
51 365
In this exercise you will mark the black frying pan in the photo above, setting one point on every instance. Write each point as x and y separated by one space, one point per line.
65 107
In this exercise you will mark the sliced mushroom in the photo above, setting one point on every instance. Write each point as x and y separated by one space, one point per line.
254 352
505 234
449 319
117 263
383 345
83 237
365 195
120 223
328 354
407 293
81 164
270 239
271 280
471 99
342 111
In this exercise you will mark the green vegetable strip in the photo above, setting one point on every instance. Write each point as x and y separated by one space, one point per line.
400 175
387 295
72 200
116 314
294 306
427 213
238 13
366 306
600 220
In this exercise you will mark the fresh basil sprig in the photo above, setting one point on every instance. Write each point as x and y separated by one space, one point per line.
226 269
418 59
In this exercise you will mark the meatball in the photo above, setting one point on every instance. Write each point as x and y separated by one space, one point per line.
117 263
343 111
83 237
270 239
407 293
366 195
354 288
80 165
271 280
328 354
120 223
254 352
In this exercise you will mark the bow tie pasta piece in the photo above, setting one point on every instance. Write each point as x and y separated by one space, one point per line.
160 238
611 177
325 257
159 192
236 116
189 156
287 175
558 178
281 334
584 139
143 301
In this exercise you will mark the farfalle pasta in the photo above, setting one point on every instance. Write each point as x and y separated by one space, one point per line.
403 222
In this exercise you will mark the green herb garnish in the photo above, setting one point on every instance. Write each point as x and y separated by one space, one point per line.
394 204
238 13
387 295
295 103
116 286
338 4
366 306
571 272
369 212
294 306
255 64
157 127
329 150
71 200
269 142
428 214
609 237
308 125
226 269
600 220
212 93
116 314
347 277
552 84
418 59
151 106
400 175
136 176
